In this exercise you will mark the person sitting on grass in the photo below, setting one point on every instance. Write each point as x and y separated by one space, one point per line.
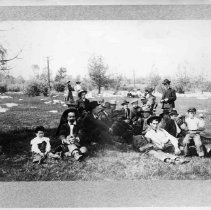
82 103
40 146
160 143
69 135
193 126
136 117
150 99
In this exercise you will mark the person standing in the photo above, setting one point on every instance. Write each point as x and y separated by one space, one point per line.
169 96
77 87
69 93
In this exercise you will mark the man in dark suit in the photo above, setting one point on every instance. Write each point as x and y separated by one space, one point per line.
69 136
93 129
125 111
167 123
169 96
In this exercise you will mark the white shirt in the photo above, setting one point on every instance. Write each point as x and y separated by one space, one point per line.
78 88
34 144
177 127
159 137
71 127
194 123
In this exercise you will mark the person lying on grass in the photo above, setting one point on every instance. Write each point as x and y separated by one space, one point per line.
69 135
159 143
40 146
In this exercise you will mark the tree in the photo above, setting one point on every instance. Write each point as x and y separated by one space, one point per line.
61 74
116 82
4 59
98 72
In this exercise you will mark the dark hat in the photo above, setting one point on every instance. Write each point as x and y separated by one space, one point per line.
93 104
80 92
174 112
166 81
165 112
106 105
148 89
153 118
192 109
124 102
67 111
78 82
68 81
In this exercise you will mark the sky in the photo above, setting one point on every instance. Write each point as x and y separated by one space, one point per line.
141 46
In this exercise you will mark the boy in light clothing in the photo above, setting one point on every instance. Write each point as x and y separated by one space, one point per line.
40 146
193 126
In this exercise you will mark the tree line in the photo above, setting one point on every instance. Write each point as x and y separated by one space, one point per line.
99 78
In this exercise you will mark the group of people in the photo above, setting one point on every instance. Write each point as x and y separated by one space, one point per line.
86 123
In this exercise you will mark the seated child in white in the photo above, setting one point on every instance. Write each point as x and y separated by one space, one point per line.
40 146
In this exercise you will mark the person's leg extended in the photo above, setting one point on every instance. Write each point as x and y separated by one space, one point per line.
198 144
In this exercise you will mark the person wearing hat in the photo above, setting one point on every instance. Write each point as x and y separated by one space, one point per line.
125 111
194 126
69 93
160 142
82 103
69 136
105 114
63 119
136 117
142 100
93 129
169 122
176 129
150 99
168 97
146 114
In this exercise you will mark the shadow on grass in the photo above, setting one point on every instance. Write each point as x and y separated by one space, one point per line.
17 142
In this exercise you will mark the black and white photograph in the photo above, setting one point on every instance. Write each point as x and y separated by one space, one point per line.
108 102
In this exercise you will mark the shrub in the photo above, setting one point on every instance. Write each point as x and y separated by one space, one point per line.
3 88
59 87
15 87
35 88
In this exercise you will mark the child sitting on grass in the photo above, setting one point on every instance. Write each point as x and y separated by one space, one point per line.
40 146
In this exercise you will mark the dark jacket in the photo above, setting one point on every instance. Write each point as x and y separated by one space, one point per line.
171 95
169 125
63 119
125 114
65 130
82 104
90 123
135 114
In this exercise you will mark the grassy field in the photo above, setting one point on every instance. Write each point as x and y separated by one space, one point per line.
107 162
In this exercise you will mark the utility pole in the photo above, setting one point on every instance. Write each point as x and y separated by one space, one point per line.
48 68
134 79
